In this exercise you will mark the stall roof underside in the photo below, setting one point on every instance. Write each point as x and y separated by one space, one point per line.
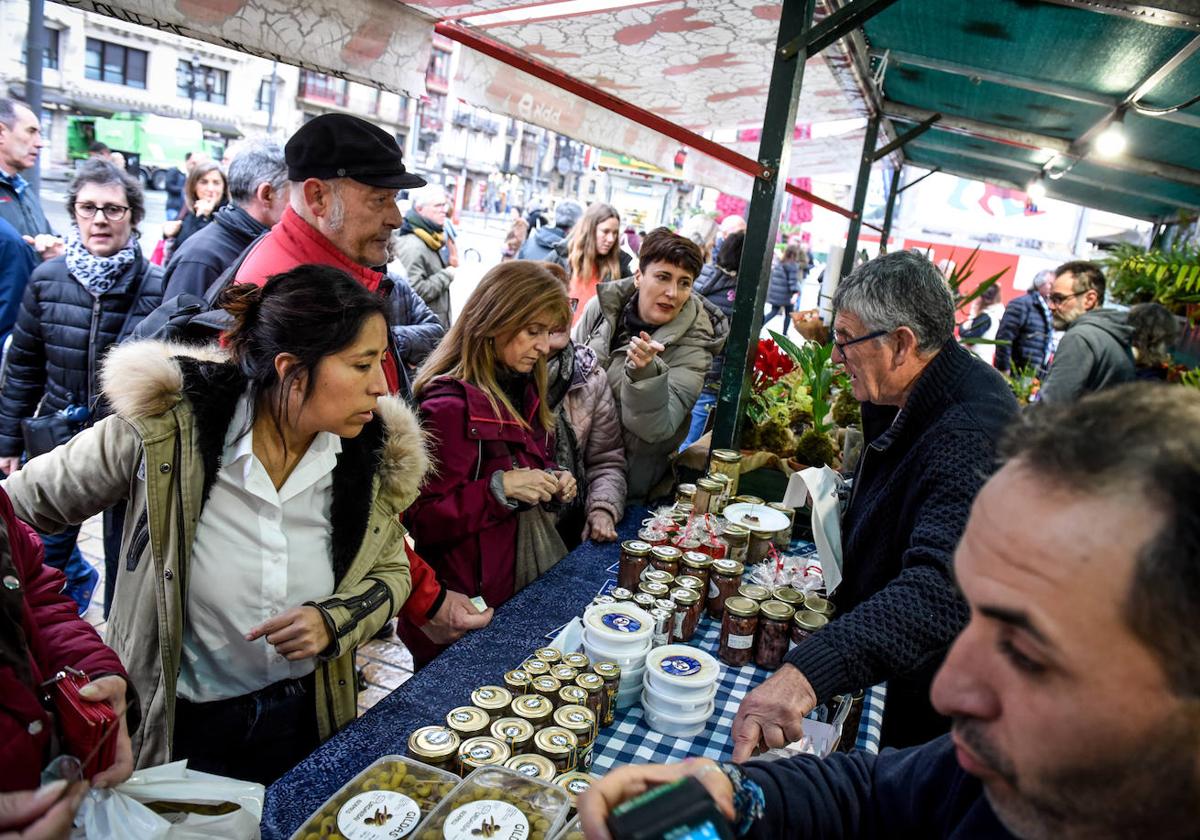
1024 85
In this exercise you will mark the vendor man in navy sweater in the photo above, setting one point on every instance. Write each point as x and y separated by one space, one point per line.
1075 687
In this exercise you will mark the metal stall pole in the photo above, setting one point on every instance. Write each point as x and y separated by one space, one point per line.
891 206
860 195
35 47
762 219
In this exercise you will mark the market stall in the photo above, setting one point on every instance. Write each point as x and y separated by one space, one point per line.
524 624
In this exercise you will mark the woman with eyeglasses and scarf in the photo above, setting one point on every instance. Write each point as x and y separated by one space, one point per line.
74 308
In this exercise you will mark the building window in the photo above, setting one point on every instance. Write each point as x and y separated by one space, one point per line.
439 65
378 106
49 54
262 102
116 64
323 88
201 82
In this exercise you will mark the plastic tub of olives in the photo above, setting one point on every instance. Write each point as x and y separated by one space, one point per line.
572 831
389 798
500 804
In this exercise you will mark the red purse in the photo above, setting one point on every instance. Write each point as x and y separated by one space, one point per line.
86 727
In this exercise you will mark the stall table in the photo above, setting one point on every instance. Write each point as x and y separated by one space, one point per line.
520 626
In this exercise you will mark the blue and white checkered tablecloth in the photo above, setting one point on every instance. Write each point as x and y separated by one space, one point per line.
630 741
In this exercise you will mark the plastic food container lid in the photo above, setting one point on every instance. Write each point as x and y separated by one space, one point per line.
671 700
508 803
703 713
573 831
618 625
389 785
683 666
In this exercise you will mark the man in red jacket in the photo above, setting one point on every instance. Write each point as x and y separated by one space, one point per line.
344 174
41 634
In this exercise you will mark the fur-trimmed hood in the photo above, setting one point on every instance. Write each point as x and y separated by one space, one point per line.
147 379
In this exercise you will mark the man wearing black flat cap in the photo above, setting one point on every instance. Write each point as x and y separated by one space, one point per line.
344 174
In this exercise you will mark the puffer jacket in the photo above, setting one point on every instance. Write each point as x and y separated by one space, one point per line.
784 283
24 211
40 634
1027 327
592 413
655 403
1094 353
199 261
560 254
718 287
161 449
541 242
59 341
427 273
461 528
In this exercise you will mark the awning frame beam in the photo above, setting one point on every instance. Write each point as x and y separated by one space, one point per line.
834 26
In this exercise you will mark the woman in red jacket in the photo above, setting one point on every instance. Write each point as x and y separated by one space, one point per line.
480 521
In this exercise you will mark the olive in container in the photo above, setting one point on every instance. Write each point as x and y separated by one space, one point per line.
394 793
498 803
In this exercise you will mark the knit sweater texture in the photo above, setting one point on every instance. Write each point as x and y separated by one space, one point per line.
898 606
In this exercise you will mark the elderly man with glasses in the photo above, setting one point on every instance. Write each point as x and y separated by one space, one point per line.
1096 351
933 413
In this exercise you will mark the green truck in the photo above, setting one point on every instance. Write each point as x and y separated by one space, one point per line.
152 145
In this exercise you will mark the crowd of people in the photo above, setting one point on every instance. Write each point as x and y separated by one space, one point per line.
294 443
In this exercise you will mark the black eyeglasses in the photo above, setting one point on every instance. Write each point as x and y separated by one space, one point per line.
1058 298
112 212
842 345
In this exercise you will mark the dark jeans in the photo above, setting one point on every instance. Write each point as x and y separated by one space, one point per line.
63 554
787 315
256 737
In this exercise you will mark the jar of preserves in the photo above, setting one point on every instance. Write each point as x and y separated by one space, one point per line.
534 708
558 745
575 783
564 673
492 699
682 511
815 603
658 576
685 493
535 668
571 695
667 604
610 672
468 721
581 723
652 536
688 607
578 661
774 634
635 557
517 682
737 542
533 766
716 505
593 684
783 537
738 627
644 601
691 582
654 590
604 599
547 686
727 462
746 499
706 491
483 751
723 582
665 558
549 655
436 746
683 544
804 624
760 546
620 593
754 592
696 564
516 733
794 598
664 621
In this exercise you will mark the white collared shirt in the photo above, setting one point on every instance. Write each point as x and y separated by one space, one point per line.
258 551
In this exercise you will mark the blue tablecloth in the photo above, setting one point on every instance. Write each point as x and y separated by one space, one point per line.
480 658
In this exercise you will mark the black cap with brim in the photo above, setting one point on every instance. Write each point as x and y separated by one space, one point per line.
341 146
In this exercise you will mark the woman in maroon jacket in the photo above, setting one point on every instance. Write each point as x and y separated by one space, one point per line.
40 634
482 400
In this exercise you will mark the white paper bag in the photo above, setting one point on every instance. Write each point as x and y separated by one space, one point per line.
821 485
120 812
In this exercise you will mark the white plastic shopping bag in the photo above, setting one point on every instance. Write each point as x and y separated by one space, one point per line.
171 802
819 486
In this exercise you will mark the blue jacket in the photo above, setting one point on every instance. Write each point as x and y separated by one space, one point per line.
17 262
719 288
917 792
540 244
785 282
1027 327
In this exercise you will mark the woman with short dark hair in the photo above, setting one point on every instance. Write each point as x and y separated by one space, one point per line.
76 306
266 483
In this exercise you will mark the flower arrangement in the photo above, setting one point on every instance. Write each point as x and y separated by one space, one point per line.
1024 383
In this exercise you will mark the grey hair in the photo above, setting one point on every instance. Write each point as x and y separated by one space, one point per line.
102 173
427 195
900 289
8 110
258 162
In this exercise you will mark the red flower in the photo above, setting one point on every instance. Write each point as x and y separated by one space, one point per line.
770 364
